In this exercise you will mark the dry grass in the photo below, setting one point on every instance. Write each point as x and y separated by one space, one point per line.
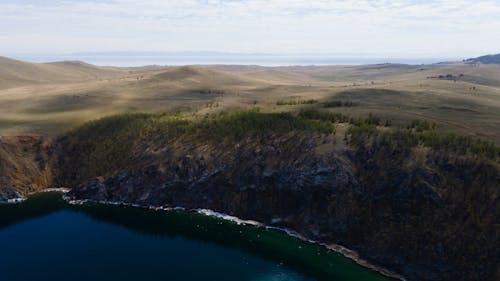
51 98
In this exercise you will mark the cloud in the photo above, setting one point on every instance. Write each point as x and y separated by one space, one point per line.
380 27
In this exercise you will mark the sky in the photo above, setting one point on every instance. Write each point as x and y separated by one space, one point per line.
343 27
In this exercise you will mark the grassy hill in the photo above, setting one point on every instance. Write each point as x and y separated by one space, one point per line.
19 73
488 59
52 98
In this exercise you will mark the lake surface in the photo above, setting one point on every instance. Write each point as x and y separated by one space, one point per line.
46 239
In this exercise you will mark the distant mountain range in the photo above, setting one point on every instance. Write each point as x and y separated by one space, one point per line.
488 59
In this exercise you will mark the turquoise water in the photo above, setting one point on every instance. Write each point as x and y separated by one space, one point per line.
46 239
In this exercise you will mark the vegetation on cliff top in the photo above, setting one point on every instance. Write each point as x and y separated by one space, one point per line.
116 143
419 182
424 134
112 144
218 127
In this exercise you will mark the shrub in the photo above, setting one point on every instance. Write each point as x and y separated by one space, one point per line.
295 102
361 131
337 103
323 115
421 125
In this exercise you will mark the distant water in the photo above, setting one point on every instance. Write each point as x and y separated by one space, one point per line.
263 60
45 239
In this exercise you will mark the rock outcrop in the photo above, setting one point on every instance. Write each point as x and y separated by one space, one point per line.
421 220
426 212
24 165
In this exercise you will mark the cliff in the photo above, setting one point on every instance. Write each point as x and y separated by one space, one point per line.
24 165
419 203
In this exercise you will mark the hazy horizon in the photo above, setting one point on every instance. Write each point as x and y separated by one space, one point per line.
138 58
389 29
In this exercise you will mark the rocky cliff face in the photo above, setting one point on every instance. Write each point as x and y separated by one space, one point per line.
409 210
424 212
24 165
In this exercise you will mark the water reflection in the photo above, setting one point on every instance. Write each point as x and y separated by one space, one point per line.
189 246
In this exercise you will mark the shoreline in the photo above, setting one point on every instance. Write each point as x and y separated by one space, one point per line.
22 198
345 252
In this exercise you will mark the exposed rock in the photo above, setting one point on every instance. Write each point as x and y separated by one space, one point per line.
406 217
423 214
24 165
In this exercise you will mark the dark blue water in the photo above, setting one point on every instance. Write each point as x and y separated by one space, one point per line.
71 246
46 239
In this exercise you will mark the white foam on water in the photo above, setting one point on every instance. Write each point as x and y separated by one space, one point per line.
15 200
58 189
223 216
207 212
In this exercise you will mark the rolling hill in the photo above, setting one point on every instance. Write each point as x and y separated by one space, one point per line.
50 98
19 73
301 147
488 59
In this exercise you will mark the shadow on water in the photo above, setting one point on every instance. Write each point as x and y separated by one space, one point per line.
311 259
35 206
